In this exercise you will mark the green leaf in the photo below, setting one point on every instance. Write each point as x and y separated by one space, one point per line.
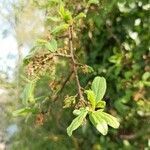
111 121
65 14
28 93
93 2
41 41
22 112
99 87
54 19
80 15
32 52
116 59
99 123
101 104
77 122
52 45
146 76
60 28
77 112
91 97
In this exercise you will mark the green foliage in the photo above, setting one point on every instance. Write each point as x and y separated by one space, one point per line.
112 38
99 87
65 14
77 121
99 123
52 45
28 93
91 98
22 112
62 27
98 118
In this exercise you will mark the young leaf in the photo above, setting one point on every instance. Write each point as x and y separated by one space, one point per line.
41 41
52 45
54 19
77 112
111 121
28 93
60 28
65 14
99 123
91 98
99 87
77 122
22 112
101 104
80 15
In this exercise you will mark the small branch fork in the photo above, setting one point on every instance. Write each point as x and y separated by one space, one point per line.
74 62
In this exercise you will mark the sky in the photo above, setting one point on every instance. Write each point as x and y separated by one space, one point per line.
8 50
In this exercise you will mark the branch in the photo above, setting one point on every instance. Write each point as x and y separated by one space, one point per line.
62 87
74 62
62 55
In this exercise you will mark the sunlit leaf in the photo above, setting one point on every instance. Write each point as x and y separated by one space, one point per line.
77 122
28 93
65 14
111 121
99 123
54 18
41 41
99 87
91 97
101 104
60 28
80 15
146 76
76 112
22 112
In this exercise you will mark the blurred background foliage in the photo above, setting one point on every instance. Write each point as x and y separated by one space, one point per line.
114 40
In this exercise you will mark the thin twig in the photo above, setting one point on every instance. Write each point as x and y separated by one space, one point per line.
62 86
62 55
74 62
60 90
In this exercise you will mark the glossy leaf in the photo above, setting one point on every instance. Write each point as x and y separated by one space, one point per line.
99 87
99 123
77 122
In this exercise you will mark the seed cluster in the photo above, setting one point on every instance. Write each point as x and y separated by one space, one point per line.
39 64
